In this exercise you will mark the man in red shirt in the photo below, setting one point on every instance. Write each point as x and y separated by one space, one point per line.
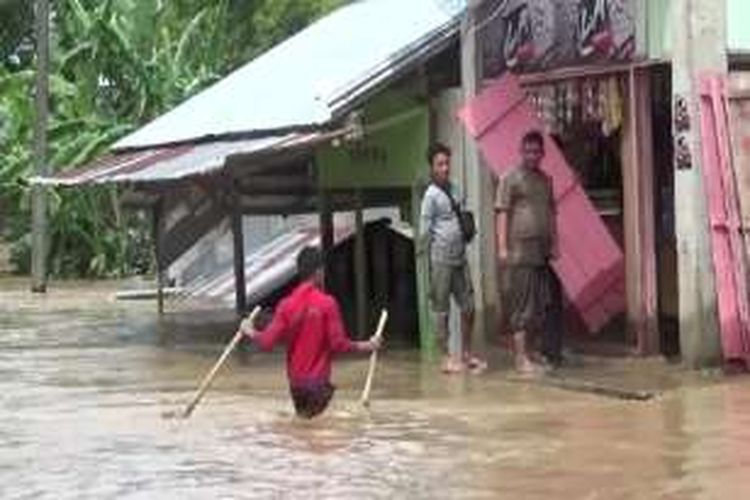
309 322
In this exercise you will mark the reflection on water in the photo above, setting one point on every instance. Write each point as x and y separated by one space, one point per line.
84 382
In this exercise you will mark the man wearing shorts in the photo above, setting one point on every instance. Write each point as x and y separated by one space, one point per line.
527 240
309 322
442 239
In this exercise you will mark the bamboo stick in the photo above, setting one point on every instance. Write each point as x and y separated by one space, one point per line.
365 399
209 378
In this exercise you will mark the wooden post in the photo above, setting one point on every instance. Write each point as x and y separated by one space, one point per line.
157 231
239 255
639 213
699 44
360 267
39 234
648 333
326 223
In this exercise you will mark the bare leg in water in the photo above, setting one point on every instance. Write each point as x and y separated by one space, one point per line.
523 362
450 365
473 362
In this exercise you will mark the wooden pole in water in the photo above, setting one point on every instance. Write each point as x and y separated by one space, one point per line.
365 399
157 222
39 195
209 378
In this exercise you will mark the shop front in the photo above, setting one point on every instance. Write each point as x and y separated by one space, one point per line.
573 69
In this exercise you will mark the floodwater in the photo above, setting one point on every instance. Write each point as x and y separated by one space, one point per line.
84 382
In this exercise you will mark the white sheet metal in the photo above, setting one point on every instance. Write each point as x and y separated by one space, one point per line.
273 264
304 80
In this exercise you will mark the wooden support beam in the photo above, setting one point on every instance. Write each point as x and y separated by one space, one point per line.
326 223
240 166
188 230
279 184
157 225
639 216
239 257
277 190
648 333
138 199
338 201
277 205
360 269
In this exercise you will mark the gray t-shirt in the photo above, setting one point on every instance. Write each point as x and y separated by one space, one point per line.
526 196
440 231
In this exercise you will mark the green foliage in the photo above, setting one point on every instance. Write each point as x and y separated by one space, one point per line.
16 25
115 64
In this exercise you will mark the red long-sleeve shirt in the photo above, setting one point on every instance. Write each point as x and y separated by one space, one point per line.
309 322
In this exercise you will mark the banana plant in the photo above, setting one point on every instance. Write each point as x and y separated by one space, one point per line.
116 64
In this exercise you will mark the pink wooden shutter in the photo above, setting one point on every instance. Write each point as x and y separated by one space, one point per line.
724 218
591 265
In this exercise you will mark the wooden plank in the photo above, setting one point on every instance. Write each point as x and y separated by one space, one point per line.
188 230
157 222
277 184
360 269
639 217
562 74
631 215
648 334
239 258
326 222
325 215
138 199
740 127
723 209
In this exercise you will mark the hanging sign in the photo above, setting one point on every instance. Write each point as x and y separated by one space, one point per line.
532 35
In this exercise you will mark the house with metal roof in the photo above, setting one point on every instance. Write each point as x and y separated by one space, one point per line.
334 119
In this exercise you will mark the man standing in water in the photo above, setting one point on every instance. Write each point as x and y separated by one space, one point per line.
526 241
309 322
443 239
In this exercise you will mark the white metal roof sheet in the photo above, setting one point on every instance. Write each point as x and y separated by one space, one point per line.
296 83
274 264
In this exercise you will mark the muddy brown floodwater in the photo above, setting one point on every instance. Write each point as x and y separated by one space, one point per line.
84 381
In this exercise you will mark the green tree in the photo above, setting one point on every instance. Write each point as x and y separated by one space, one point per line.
116 64
16 29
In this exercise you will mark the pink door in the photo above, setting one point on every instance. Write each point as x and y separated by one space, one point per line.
724 216
591 266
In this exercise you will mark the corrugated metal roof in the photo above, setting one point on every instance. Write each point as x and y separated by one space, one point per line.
309 78
173 163
274 264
